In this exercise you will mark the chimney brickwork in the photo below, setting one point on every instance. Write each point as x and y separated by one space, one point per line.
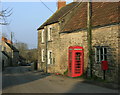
61 3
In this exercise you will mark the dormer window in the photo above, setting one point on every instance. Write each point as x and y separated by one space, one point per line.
42 36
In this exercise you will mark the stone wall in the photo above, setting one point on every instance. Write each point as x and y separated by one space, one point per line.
15 58
41 65
5 58
101 36
52 45
104 36
72 39
107 36
119 53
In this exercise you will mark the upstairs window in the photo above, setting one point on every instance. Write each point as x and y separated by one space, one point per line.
42 36
49 33
100 54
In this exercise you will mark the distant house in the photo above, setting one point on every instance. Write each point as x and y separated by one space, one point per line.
68 27
10 55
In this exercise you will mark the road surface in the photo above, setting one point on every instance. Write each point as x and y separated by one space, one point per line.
21 80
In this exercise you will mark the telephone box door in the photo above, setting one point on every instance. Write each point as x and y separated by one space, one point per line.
78 63
75 61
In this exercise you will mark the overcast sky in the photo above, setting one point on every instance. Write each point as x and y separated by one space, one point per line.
26 18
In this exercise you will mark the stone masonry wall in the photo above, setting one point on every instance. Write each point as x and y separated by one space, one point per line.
102 36
105 36
71 39
54 45
41 65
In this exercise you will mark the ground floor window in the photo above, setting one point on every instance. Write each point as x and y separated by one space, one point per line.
50 59
42 55
100 54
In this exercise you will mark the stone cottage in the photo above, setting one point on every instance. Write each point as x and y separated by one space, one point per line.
68 27
10 55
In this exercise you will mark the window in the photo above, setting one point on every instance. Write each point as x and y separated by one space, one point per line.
42 36
50 61
100 54
3 48
42 55
49 33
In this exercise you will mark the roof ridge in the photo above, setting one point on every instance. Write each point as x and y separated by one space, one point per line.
57 12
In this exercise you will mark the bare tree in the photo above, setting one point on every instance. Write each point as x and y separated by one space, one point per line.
3 15
29 54
21 46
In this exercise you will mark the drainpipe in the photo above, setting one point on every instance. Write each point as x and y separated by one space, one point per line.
89 35
46 47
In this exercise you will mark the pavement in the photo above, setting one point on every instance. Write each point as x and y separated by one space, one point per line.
22 80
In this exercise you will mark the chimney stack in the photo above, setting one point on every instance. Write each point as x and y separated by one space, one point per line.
4 39
61 3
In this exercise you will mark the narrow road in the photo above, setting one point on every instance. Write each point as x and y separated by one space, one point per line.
21 80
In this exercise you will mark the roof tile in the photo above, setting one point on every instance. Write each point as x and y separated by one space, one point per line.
102 14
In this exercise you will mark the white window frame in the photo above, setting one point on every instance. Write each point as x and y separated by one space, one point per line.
42 36
103 48
42 55
49 33
48 57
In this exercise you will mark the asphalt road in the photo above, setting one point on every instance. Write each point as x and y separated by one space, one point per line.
21 80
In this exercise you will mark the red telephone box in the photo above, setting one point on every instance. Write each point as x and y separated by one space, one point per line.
75 61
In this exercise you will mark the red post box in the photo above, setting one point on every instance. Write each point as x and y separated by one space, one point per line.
104 65
75 61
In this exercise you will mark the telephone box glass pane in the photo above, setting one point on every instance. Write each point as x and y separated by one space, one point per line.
77 62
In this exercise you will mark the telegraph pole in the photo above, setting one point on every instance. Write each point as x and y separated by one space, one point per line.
11 49
89 35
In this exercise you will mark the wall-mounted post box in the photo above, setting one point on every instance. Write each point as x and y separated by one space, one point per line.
104 66
75 61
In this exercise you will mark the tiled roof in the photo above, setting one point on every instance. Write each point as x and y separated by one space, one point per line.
102 14
5 54
58 14
12 47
